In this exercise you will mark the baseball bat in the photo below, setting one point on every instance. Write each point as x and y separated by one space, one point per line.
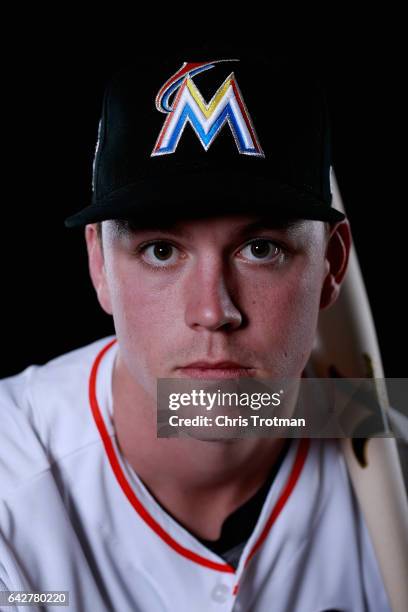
347 343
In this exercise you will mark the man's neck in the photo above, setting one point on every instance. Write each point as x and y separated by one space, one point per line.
199 482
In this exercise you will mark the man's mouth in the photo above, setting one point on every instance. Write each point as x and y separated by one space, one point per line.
215 370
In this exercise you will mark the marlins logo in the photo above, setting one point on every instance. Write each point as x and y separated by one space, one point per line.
226 106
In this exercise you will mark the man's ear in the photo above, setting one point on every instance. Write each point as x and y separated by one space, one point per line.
337 256
97 268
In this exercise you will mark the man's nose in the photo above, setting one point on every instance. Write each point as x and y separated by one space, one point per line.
210 302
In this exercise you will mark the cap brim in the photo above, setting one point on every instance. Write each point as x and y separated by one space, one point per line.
198 195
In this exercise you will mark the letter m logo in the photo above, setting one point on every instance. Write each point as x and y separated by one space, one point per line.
226 107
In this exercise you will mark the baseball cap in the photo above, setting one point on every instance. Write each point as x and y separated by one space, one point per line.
209 136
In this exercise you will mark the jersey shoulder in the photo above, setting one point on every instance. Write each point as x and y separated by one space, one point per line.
45 415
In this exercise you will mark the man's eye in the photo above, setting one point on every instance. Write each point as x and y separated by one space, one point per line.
260 250
160 254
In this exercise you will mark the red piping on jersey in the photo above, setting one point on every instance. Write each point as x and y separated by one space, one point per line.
290 485
141 510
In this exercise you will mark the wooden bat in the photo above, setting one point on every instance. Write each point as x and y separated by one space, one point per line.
347 341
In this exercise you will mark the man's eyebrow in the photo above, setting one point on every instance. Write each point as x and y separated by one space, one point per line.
129 227
286 225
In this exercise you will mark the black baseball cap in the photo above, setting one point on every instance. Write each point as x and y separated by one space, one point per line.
209 136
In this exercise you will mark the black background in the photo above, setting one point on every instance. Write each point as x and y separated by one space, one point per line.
53 93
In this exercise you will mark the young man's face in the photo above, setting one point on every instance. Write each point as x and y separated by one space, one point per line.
219 297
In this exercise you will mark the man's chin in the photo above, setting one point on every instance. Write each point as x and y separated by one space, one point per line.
215 439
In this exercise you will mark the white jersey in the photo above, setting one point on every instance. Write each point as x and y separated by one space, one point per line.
75 517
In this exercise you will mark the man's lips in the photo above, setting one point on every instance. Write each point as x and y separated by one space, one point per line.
219 369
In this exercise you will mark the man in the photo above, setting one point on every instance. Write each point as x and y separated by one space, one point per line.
213 244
